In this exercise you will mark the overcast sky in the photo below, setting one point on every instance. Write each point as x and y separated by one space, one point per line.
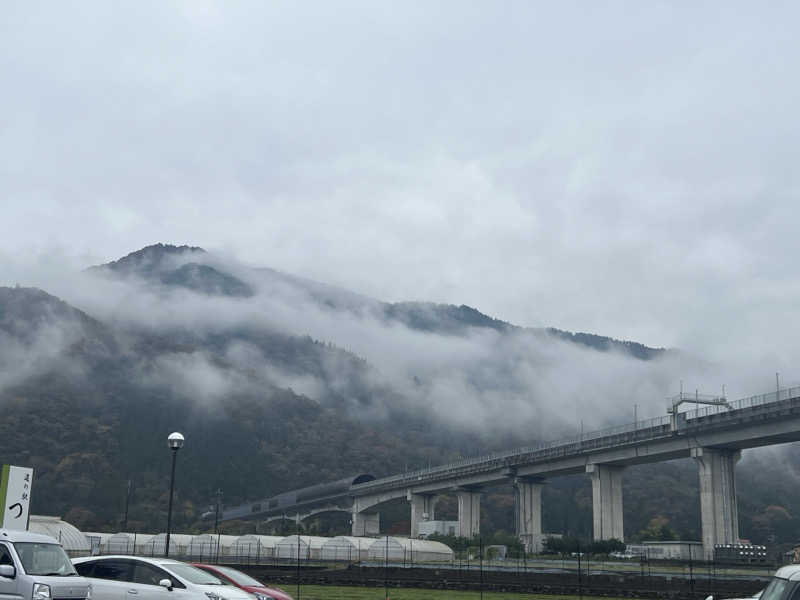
626 168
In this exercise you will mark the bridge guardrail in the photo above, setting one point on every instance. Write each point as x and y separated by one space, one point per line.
583 442
752 401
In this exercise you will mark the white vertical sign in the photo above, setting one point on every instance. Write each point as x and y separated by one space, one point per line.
15 492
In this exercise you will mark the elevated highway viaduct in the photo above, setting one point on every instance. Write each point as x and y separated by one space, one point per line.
714 436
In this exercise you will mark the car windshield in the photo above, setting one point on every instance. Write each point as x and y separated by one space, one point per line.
774 591
44 559
239 577
192 574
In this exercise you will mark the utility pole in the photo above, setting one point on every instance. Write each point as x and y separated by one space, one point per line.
297 528
216 512
127 502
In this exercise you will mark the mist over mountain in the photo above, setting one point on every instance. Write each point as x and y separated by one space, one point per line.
279 382
377 357
193 268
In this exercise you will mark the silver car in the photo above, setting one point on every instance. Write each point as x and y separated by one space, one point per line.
140 578
35 567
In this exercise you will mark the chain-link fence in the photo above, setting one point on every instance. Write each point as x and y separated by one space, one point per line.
294 562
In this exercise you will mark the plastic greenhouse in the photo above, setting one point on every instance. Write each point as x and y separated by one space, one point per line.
73 541
409 550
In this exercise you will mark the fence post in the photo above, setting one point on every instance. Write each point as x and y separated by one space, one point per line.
525 562
298 557
580 586
588 570
480 557
386 568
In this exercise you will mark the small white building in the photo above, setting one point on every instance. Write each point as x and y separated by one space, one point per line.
345 547
307 546
253 548
672 550
409 550
73 541
127 543
496 552
427 528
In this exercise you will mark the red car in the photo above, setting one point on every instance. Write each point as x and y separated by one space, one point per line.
245 582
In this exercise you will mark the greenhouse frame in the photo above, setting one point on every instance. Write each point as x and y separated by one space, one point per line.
346 547
127 543
209 546
178 545
253 548
309 547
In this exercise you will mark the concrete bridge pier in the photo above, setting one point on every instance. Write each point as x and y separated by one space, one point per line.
423 507
366 524
606 501
528 508
719 513
469 512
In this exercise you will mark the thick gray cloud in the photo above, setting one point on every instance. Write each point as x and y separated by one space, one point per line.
617 167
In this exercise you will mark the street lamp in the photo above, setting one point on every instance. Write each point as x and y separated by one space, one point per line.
175 443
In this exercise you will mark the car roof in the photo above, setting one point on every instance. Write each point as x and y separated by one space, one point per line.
147 559
11 535
215 568
789 572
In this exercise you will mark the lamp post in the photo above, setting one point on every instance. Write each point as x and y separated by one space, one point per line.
175 443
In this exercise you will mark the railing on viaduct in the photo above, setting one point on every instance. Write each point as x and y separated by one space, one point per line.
645 430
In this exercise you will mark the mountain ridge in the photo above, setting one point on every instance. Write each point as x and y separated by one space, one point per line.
149 263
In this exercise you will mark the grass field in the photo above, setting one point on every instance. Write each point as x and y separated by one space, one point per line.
324 592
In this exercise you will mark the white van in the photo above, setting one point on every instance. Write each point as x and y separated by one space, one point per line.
35 567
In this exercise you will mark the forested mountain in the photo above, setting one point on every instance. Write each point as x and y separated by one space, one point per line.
280 382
